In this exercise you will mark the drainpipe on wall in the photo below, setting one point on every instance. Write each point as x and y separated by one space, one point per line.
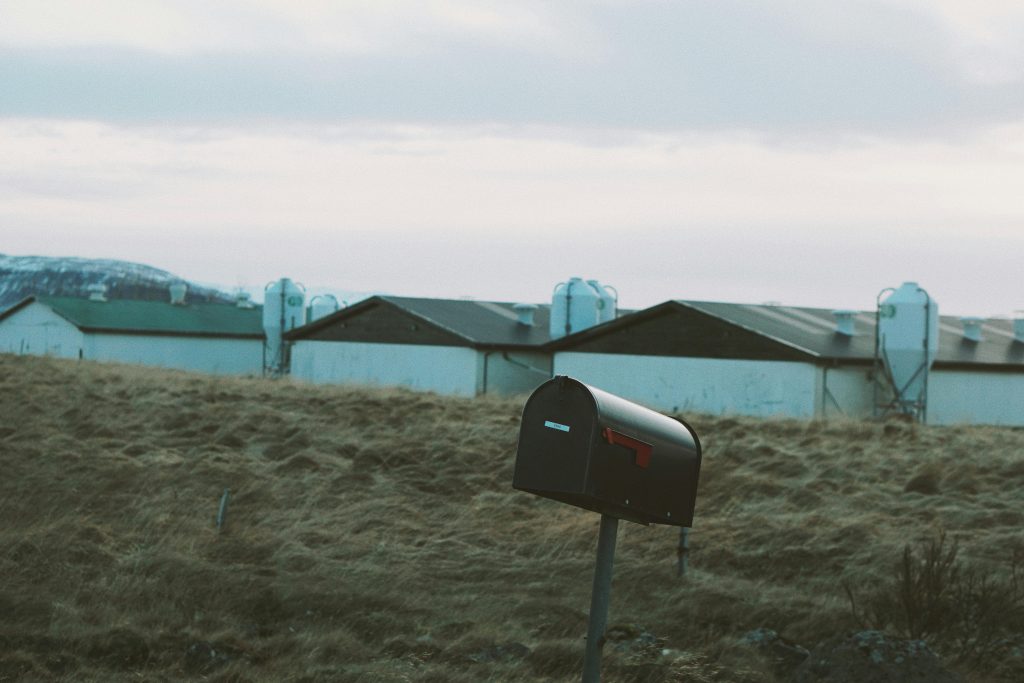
526 366
826 394
487 360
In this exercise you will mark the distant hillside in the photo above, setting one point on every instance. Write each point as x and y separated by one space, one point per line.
22 276
374 535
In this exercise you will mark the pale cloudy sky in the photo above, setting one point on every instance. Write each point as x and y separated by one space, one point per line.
796 151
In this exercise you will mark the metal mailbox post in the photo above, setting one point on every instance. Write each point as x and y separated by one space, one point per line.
586 447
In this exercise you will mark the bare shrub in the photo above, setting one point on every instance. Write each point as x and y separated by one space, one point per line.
970 611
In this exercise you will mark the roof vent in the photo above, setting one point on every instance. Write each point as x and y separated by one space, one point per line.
97 292
178 291
844 322
1018 326
525 313
244 300
972 328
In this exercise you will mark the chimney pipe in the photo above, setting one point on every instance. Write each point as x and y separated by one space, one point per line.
525 313
972 328
178 291
98 292
844 322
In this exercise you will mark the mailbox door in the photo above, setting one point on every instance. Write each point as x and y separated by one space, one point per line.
555 440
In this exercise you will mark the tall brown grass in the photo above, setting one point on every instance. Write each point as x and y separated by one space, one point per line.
373 535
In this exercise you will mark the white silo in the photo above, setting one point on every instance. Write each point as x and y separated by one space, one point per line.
284 308
574 307
609 300
908 341
322 305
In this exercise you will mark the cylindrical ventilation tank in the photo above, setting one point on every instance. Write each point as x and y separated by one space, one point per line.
243 300
844 322
284 308
525 313
322 305
908 337
97 292
178 290
609 300
972 328
574 307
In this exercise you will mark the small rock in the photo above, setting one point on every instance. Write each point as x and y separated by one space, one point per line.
873 656
926 483
203 656
784 653
631 639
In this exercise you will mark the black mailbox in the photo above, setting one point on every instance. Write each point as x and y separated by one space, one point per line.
589 448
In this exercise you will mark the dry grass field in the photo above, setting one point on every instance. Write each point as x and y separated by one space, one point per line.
374 536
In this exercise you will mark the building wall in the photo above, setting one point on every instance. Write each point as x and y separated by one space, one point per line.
709 385
37 330
975 397
846 391
513 372
954 396
198 354
450 370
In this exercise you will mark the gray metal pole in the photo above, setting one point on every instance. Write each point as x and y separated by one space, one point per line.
599 599
684 550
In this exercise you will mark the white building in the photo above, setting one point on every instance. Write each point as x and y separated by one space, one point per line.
691 356
203 337
449 346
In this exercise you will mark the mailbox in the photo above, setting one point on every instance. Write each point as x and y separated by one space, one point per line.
589 448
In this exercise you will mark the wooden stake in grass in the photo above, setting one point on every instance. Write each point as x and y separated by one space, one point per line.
222 513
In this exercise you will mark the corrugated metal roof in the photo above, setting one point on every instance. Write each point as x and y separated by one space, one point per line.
813 330
155 317
484 323
479 323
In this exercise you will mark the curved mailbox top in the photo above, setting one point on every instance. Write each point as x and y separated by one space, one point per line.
589 448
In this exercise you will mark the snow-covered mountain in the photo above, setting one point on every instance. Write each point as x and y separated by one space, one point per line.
22 276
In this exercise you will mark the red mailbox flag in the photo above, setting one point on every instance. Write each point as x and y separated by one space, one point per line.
641 448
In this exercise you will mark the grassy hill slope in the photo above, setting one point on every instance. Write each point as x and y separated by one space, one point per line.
373 535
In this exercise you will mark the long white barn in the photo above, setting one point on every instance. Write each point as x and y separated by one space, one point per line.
448 346
202 337
784 361
684 356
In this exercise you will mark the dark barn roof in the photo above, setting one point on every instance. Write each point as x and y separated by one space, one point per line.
727 330
127 316
397 320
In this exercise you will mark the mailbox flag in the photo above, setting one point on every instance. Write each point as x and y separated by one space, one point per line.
642 449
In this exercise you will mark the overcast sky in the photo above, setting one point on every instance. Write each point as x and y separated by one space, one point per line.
795 151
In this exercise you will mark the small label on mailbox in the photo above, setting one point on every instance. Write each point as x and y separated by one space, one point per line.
555 425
